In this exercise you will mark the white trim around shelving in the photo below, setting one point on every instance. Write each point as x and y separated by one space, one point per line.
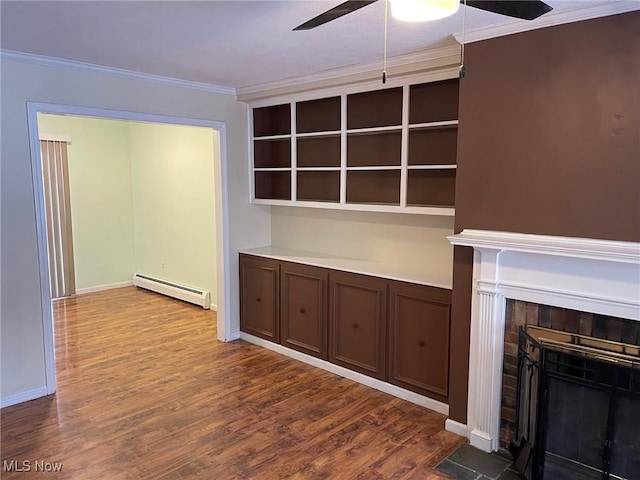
404 147
380 385
328 133
446 123
318 169
274 137
361 207
272 169
343 149
375 168
432 167
251 159
293 160
364 131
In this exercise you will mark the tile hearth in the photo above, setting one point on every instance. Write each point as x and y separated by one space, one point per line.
469 463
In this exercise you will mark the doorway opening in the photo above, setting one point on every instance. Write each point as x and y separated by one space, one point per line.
218 216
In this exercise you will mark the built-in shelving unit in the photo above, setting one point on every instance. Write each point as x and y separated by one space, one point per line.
392 149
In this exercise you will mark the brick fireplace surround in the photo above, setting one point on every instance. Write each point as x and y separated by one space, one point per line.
514 271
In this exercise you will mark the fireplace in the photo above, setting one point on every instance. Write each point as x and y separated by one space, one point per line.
601 332
595 276
576 407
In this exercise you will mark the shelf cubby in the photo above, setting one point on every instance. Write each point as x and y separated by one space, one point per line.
374 149
273 185
433 102
381 187
318 115
379 108
318 151
431 188
388 150
272 153
318 186
429 146
274 120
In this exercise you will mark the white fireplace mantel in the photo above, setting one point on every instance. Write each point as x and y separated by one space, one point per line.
590 275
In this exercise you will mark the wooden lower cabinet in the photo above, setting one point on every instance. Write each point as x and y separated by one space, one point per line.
419 338
357 323
390 330
259 297
304 308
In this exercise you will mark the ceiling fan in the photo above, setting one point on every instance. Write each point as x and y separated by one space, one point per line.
523 9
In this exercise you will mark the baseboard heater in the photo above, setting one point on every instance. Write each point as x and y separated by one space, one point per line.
170 289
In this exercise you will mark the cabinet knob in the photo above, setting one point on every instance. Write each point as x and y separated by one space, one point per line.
258 299
421 343
355 325
302 311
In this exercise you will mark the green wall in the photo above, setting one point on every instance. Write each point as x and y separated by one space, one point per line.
173 203
101 197
142 200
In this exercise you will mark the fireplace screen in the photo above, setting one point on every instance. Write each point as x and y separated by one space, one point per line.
578 406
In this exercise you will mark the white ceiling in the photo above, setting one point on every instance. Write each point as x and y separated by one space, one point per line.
228 43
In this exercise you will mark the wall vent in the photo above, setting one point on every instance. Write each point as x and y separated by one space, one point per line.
181 292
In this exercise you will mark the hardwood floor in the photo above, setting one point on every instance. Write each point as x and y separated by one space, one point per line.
145 391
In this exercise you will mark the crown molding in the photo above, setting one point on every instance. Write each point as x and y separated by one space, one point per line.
399 66
551 19
114 72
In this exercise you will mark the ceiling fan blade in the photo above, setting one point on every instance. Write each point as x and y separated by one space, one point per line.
523 9
336 12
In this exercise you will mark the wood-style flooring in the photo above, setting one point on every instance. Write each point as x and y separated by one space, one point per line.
145 391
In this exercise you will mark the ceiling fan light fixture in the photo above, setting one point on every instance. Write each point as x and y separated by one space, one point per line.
423 10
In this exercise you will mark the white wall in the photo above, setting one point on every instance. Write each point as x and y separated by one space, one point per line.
22 369
173 203
101 197
411 241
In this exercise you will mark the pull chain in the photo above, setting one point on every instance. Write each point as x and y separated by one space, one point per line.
384 57
464 31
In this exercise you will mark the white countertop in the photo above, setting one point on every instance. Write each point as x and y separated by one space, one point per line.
422 275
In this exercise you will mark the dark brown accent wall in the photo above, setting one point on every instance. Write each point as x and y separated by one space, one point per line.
548 143
549 132
460 321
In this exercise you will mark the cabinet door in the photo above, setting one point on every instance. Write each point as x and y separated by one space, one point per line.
419 338
304 308
259 297
358 323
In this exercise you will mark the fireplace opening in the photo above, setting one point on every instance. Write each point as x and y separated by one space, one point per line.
576 408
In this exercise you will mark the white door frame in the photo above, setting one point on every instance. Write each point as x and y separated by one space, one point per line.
221 213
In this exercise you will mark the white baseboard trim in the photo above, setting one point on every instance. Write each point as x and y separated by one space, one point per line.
23 396
480 440
101 288
456 427
213 306
233 336
385 387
